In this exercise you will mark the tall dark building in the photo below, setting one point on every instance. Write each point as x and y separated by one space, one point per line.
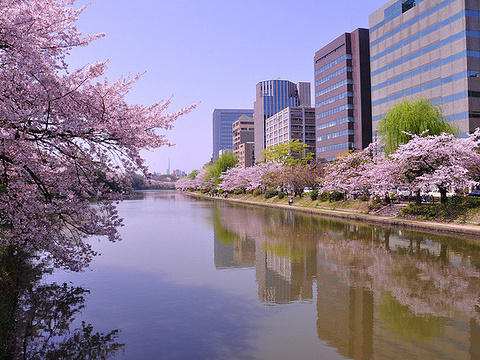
343 109
222 128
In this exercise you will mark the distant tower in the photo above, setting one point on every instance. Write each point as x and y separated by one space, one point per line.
168 169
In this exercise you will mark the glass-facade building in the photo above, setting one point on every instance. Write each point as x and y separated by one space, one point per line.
222 128
272 96
342 95
427 49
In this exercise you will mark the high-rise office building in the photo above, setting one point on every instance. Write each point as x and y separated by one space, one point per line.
292 123
427 49
271 97
243 141
222 128
342 95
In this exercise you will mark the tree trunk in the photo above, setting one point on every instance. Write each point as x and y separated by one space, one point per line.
387 239
444 253
418 198
443 195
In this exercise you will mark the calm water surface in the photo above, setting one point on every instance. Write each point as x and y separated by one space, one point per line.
194 279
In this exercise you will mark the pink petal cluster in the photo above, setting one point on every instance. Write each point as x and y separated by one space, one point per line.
249 178
352 171
65 139
443 161
425 162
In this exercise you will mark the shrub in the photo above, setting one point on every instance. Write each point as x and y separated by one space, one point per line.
257 192
454 208
335 196
238 192
374 206
364 197
314 195
471 202
323 196
270 193
281 194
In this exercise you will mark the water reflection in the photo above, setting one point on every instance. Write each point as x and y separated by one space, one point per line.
285 267
37 319
380 292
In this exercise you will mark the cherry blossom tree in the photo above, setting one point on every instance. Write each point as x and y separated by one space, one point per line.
296 177
67 138
443 161
250 178
352 171
236 178
203 180
184 183
259 173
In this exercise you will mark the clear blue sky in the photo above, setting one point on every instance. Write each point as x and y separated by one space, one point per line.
210 51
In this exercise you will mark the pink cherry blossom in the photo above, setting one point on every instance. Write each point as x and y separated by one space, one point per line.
442 161
67 138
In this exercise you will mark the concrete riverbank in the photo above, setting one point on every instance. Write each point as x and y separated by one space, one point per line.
472 231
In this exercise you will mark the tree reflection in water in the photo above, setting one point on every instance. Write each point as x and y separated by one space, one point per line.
381 292
36 318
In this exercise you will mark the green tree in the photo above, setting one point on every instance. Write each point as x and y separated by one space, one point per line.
412 117
138 182
226 161
193 174
291 152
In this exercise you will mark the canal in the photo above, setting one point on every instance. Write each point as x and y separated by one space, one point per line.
195 279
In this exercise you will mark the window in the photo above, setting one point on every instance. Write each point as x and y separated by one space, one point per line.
334 98
347 145
407 5
334 86
333 63
335 122
335 110
336 134
330 53
334 74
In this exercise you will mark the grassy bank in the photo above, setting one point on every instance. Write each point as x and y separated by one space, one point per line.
305 202
358 210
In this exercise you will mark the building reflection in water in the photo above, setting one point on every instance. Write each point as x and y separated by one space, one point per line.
381 293
285 269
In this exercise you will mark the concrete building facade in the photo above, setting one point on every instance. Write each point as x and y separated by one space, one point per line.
243 147
222 121
271 97
343 95
427 49
291 123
